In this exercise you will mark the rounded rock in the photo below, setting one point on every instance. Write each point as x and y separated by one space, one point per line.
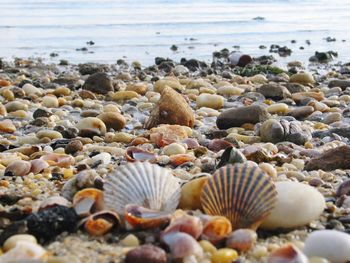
210 101
330 244
297 205
241 239
50 102
12 241
302 78
174 148
146 254
91 126
113 120
98 83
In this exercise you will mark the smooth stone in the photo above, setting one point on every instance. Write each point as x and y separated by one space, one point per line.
297 205
278 108
330 244
98 83
210 101
7 126
295 87
30 89
181 70
299 96
146 254
113 120
336 158
239 116
91 126
49 134
332 117
274 91
140 88
301 112
50 102
229 91
343 84
171 82
302 78
41 113
12 241
15 106
174 148
124 95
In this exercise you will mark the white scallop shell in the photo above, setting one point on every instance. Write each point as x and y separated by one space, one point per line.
142 183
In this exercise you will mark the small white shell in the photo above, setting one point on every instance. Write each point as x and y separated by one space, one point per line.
144 184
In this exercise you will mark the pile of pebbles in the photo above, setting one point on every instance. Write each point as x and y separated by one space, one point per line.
65 128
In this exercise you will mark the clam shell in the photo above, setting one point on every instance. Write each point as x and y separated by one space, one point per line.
144 184
242 193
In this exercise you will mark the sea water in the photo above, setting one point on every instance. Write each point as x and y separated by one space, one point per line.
143 30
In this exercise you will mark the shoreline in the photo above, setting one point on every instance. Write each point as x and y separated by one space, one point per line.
65 128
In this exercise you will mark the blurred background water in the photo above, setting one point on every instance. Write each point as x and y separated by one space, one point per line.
142 30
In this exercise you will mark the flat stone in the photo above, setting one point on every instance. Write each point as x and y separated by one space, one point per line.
337 158
237 117
274 91
343 84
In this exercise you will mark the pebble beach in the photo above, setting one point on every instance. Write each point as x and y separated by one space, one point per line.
228 156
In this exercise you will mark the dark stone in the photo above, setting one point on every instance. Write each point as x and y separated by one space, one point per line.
301 112
38 113
344 188
99 83
295 87
274 91
337 158
343 84
73 146
91 68
344 132
239 116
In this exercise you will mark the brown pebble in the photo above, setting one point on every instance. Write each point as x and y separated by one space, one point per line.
73 146
146 254
113 120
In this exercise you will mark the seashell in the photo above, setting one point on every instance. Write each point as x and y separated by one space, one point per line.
217 145
144 184
24 251
139 217
18 168
88 201
54 201
60 160
191 193
287 254
231 156
172 108
182 245
38 165
215 228
139 141
185 223
242 193
241 239
133 154
101 223
191 143
179 159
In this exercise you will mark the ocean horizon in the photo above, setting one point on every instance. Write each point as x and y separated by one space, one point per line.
143 30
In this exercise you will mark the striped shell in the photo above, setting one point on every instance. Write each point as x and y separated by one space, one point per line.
144 184
240 192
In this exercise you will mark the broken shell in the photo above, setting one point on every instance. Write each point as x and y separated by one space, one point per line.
24 251
18 168
139 217
172 108
133 154
241 239
88 201
287 253
185 223
182 245
60 160
144 184
179 159
191 194
38 165
216 228
167 134
54 201
231 155
101 223
243 193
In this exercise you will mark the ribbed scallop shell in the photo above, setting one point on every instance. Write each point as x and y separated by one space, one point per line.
242 193
144 184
